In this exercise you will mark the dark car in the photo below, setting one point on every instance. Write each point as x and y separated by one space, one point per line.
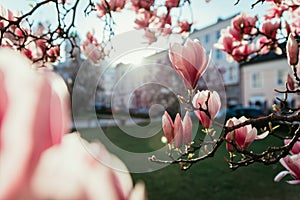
248 112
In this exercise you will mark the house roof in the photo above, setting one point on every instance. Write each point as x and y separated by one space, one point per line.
219 20
267 57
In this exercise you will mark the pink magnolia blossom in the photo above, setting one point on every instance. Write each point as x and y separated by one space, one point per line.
53 53
296 148
159 21
244 24
150 36
225 43
242 52
92 49
142 19
274 1
172 3
292 50
292 2
117 5
83 171
36 160
105 7
189 61
102 8
243 136
185 27
166 31
292 164
214 105
6 14
269 29
146 4
264 44
275 11
34 115
179 132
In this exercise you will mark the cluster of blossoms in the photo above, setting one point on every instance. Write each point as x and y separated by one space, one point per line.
242 137
38 159
92 49
247 37
190 62
152 19
152 16
291 163
16 35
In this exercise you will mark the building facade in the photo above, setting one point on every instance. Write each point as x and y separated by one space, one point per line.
229 70
259 79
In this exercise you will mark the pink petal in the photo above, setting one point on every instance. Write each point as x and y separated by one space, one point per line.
293 182
31 102
251 136
214 104
262 136
18 156
139 192
168 127
296 147
82 171
280 176
178 131
187 128
60 106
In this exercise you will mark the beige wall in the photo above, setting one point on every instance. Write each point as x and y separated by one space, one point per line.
269 72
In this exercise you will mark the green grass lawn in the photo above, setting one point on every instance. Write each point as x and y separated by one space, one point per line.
209 179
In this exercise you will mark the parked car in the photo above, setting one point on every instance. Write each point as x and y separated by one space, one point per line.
102 109
248 112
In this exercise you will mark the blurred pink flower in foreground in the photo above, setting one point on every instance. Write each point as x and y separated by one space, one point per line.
189 61
34 115
243 136
36 161
83 171
179 132
214 105
292 164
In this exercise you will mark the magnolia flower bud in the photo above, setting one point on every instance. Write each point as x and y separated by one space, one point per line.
290 82
292 50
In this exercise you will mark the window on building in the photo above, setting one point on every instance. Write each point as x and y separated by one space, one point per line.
281 76
232 73
218 54
218 35
256 80
207 38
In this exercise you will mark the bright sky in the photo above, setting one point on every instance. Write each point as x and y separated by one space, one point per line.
204 13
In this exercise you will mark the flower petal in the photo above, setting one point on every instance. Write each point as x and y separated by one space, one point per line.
280 176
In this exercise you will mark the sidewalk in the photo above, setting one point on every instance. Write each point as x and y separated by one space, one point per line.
93 123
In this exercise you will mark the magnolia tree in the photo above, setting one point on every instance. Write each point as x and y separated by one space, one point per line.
35 113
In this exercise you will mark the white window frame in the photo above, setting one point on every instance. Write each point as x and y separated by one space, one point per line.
283 78
260 74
